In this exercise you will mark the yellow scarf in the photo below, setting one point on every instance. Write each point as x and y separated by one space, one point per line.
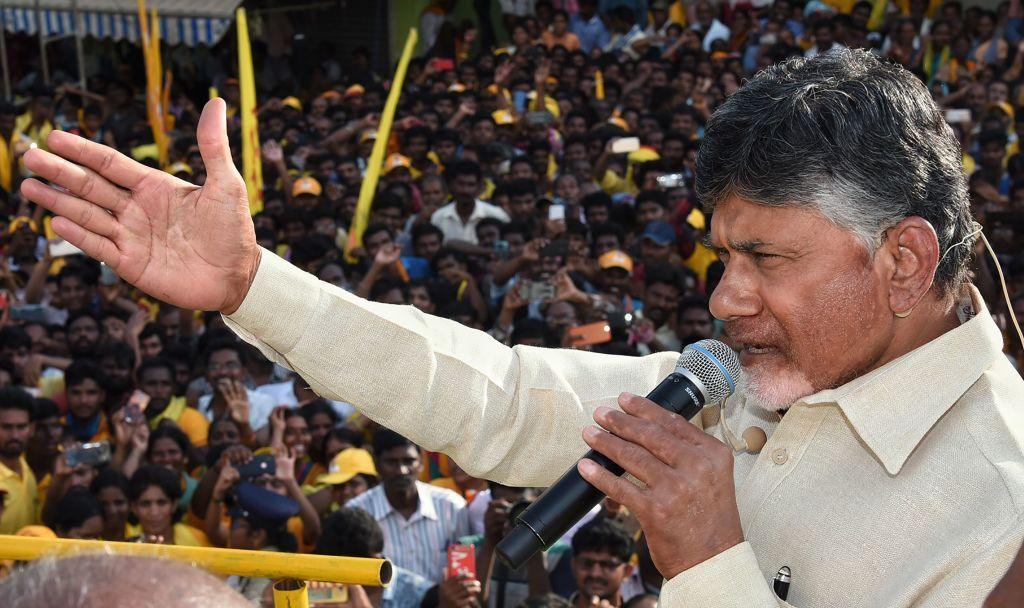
172 412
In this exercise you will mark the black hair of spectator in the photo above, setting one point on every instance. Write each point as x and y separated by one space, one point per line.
344 435
81 370
75 315
388 200
622 214
425 229
312 248
515 227
528 329
14 338
608 228
463 167
115 313
160 362
445 253
578 228
220 344
350 532
77 271
666 273
153 329
690 302
602 535
522 187
385 285
109 477
150 475
386 439
596 199
319 406
489 221
654 196
992 137
454 309
640 171
376 228
44 408
174 433
122 354
447 135
76 507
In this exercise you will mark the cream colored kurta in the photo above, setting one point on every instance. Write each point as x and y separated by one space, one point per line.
904 487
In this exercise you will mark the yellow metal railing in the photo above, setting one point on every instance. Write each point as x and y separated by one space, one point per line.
266 564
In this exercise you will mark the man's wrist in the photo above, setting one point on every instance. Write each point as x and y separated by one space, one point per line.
250 276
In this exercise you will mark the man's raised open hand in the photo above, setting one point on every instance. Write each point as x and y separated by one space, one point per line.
194 247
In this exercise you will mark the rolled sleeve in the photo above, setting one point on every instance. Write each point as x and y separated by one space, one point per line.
731 579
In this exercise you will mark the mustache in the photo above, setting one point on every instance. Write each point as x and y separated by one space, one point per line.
595 581
743 332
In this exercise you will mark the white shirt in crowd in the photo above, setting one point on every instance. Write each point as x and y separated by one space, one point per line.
418 544
283 393
447 219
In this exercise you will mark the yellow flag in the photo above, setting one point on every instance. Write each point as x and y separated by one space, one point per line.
373 166
252 166
149 30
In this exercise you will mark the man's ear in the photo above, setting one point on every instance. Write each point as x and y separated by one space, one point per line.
912 248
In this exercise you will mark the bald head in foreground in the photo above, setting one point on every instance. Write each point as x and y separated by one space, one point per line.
107 581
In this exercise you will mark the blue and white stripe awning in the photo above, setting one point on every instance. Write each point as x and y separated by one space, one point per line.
188 22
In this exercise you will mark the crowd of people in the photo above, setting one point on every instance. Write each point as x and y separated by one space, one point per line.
541 190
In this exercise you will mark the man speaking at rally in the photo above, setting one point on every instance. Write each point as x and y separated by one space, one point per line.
893 472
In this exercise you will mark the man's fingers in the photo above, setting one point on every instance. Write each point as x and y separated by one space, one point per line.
95 246
212 136
635 459
676 424
658 440
82 182
104 160
82 212
617 488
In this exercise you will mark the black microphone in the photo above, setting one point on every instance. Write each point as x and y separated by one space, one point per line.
705 374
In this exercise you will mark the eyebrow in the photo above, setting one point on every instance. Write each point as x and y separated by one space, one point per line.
748 246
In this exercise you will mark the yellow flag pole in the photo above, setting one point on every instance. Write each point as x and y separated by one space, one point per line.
252 166
373 167
268 564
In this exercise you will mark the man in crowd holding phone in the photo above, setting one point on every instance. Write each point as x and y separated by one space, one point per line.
419 520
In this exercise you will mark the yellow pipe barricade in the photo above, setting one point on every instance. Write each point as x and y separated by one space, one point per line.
290 594
267 564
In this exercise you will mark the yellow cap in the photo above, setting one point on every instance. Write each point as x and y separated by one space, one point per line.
36 531
354 90
306 185
179 167
367 135
395 161
642 155
503 117
346 465
22 222
456 87
292 102
616 259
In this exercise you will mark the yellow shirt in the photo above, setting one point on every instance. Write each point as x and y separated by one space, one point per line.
902 488
22 499
194 424
184 535
699 260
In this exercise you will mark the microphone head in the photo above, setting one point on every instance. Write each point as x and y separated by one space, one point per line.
715 365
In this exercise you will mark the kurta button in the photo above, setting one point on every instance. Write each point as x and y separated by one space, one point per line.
780 455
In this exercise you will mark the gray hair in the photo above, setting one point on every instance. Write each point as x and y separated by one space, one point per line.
855 138
102 580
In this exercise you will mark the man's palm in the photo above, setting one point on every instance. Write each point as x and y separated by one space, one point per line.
192 247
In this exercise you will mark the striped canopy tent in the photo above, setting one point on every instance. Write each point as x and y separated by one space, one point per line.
188 22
